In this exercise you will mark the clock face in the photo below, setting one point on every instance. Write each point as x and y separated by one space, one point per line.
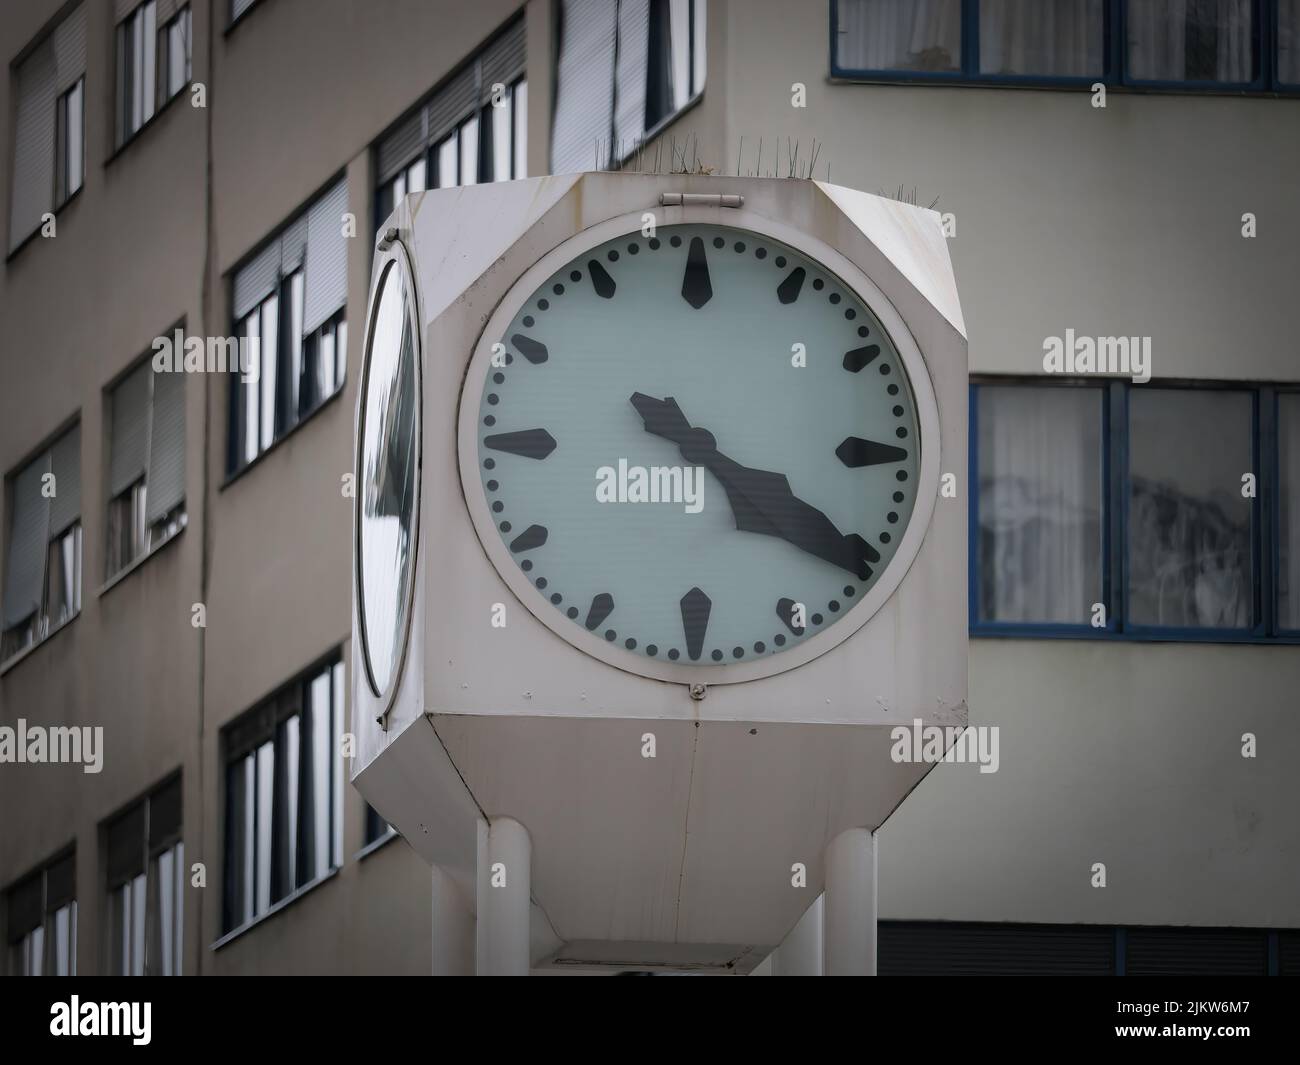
387 493
701 448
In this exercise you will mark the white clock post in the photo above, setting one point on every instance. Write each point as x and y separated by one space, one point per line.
652 558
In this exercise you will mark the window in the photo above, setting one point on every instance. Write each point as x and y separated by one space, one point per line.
473 128
153 60
284 795
622 71
146 886
146 479
376 827
1288 537
42 589
237 9
1134 510
42 921
1041 512
49 126
69 141
288 303
1189 527
1166 44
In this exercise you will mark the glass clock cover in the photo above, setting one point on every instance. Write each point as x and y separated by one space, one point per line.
387 492
701 447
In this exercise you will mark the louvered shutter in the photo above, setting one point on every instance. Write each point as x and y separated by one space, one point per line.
503 59
166 446
126 847
630 75
450 104
33 177
255 280
584 86
165 816
129 446
1196 952
24 907
326 276
402 144
60 883
28 536
944 948
65 464
70 49
238 7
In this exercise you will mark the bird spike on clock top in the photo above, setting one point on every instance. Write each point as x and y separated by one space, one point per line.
709 359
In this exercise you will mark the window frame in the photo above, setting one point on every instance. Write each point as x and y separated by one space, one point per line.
1265 15
244 736
41 622
1116 473
47 939
1271 448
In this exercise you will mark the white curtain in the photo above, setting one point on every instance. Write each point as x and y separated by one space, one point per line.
1040 503
899 35
1053 37
1158 40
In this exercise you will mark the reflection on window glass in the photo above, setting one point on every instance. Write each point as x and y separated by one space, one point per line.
1189 527
1060 38
1174 40
1040 503
447 153
469 152
899 35
1288 436
1288 42
388 478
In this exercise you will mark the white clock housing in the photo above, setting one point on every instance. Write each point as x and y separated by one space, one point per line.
509 704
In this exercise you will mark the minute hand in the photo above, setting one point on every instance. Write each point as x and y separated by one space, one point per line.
761 501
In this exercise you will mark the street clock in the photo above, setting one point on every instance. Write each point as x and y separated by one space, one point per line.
651 553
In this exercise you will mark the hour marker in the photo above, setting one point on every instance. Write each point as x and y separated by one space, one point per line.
785 611
532 350
533 536
697 289
529 443
859 357
788 290
601 608
600 280
695 611
856 452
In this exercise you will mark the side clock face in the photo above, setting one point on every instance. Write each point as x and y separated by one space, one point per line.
701 448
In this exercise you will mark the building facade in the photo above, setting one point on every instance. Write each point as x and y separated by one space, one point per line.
177 545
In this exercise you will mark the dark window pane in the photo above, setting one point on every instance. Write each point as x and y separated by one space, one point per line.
1189 527
1040 503
1288 576
1059 38
1288 42
899 35
1191 40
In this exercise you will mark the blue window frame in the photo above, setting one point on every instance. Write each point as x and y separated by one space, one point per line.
1134 493
1247 46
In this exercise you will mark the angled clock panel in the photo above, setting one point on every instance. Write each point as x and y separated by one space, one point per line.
801 495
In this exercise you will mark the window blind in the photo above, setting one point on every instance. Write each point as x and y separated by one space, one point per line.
65 464
166 446
125 840
129 447
326 270
28 536
584 73
630 74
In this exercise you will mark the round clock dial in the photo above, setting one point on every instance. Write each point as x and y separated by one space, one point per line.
700 447
386 496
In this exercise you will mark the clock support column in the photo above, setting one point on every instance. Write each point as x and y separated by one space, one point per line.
850 904
504 890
